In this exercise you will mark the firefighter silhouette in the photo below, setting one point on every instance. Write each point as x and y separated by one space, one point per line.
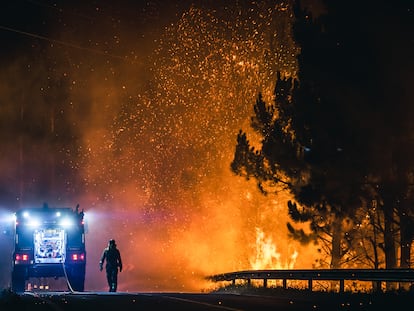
112 256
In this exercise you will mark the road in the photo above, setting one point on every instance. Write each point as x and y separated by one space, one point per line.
63 301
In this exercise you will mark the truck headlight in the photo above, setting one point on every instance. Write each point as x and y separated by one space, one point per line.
33 222
66 222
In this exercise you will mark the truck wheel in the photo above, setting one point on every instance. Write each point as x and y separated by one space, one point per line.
78 284
76 278
19 279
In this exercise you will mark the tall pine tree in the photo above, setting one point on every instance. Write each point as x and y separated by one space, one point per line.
322 138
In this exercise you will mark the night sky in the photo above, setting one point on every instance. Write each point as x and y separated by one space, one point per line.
131 109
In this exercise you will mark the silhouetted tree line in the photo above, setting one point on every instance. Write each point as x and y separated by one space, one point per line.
339 136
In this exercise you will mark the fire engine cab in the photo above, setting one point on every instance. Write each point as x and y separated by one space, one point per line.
49 243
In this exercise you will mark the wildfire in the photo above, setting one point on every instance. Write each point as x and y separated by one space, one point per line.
178 139
267 256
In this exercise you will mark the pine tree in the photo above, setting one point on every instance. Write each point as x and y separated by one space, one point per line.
321 138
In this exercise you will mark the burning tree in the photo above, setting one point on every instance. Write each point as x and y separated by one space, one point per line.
321 140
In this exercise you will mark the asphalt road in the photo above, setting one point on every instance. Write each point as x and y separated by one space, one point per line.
62 301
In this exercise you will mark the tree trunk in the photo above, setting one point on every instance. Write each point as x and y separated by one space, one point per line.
405 240
336 243
389 232
389 242
336 248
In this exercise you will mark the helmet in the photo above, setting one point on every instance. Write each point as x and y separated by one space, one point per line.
112 242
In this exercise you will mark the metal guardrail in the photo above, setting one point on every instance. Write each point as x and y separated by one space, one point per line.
375 275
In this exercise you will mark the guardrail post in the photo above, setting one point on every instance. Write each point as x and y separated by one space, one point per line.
310 284
377 286
284 283
264 283
341 286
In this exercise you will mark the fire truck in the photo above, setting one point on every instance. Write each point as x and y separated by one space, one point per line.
49 243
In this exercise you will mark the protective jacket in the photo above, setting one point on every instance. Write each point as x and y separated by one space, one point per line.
113 260
112 256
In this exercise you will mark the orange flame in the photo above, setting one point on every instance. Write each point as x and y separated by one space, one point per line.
267 256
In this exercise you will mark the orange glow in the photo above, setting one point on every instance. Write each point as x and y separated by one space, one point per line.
267 256
159 178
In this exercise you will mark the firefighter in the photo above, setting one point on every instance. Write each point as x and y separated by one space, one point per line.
113 261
